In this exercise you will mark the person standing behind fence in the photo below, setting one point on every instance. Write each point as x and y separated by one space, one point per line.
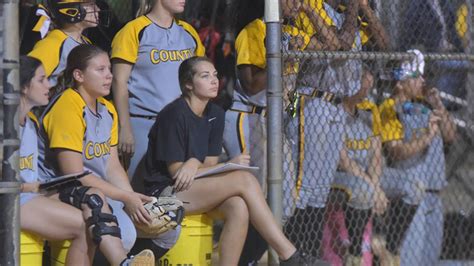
146 54
415 126
316 127
245 121
71 17
360 167
79 132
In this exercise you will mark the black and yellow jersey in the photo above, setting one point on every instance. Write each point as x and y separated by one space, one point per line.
156 54
53 50
68 123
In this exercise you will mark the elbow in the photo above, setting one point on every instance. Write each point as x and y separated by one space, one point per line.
450 138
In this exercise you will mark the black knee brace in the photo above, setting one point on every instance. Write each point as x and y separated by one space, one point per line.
76 196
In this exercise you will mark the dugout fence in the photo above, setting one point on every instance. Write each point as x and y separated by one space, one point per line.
337 220
318 187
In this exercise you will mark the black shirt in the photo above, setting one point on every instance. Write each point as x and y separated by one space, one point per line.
178 135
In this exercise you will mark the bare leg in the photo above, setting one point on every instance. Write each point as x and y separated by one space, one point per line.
55 220
208 193
236 216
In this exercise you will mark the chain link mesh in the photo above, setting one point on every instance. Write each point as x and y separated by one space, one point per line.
368 176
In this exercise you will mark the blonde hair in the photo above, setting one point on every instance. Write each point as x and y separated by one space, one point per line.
145 7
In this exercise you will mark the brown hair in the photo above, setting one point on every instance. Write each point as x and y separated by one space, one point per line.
145 7
187 70
78 58
28 67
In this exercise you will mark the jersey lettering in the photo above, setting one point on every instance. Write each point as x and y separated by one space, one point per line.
358 144
157 56
26 162
97 150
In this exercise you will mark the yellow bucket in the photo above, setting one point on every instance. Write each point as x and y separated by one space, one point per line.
31 249
194 246
59 252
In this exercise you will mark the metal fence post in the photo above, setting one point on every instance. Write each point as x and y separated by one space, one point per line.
9 186
274 116
470 51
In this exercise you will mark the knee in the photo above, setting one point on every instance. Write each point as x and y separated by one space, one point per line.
235 208
79 229
97 192
246 181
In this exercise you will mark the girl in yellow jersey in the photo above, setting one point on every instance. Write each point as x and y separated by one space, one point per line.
146 55
79 132
53 50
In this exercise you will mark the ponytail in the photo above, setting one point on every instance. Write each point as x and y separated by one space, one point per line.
65 80
78 58
145 7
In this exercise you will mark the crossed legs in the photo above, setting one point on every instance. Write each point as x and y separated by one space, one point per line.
207 194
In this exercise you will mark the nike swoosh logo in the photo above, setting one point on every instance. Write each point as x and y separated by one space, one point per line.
210 119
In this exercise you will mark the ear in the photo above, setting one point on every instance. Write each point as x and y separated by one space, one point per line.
25 89
78 75
189 87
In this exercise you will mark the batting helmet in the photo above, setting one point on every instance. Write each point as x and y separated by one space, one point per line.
73 11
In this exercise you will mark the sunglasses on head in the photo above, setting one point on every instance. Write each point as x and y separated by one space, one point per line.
401 74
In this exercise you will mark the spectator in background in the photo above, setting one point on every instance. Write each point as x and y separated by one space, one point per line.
431 26
415 127
245 122
316 129
54 49
360 168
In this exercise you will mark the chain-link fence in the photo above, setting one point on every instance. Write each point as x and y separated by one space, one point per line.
367 175
377 163
379 140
